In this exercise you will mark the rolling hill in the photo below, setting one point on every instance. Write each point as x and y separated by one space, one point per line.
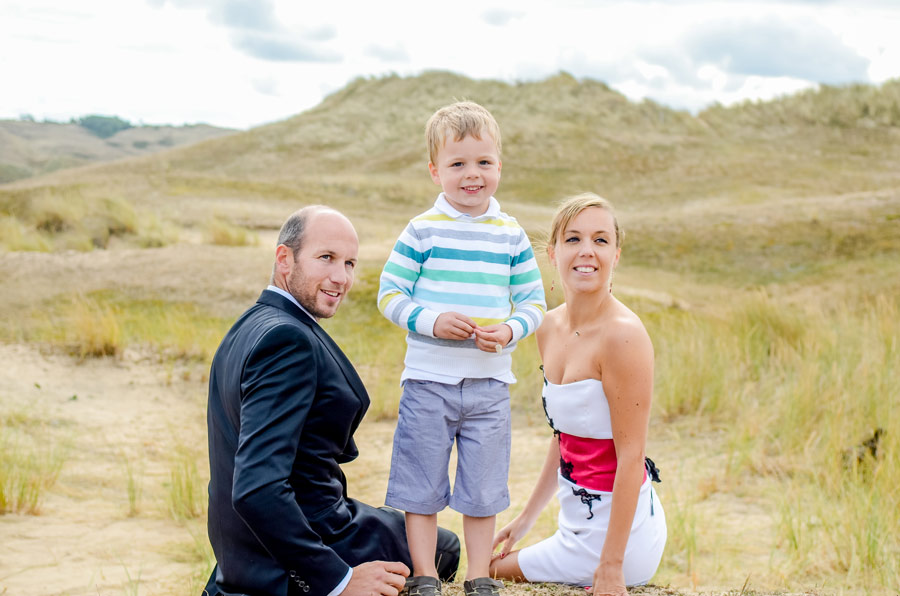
30 148
754 193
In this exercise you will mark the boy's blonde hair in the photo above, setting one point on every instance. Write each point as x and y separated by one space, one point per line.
461 119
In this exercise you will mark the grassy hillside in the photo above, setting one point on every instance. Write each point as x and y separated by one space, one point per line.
696 179
30 148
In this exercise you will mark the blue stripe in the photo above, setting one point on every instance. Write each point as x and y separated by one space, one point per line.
532 296
463 299
523 322
411 322
439 252
389 285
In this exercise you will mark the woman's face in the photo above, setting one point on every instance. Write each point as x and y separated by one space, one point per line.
585 252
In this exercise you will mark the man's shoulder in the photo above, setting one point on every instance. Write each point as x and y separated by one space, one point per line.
267 323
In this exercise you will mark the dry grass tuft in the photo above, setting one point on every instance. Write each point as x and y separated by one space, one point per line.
31 458
222 233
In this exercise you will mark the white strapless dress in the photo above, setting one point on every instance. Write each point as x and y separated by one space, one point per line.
572 554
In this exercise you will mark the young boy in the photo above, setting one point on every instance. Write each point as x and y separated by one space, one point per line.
463 280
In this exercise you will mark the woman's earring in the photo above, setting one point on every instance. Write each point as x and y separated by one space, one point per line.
552 284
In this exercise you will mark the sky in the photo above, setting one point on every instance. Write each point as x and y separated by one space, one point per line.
243 63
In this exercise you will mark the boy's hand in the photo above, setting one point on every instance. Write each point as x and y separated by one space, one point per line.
493 338
453 325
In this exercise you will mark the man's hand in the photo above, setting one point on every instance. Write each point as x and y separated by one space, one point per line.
493 338
377 577
453 325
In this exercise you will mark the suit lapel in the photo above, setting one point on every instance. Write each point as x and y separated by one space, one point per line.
278 301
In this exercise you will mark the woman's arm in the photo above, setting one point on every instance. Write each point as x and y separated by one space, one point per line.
627 368
544 489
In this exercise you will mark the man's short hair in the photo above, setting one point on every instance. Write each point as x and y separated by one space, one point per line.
461 119
292 231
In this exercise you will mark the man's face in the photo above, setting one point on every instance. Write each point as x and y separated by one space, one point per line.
322 271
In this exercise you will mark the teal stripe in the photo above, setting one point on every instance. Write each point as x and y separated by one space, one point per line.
411 322
466 277
409 252
395 269
522 257
483 256
524 278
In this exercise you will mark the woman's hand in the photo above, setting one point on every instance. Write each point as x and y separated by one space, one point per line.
509 535
609 580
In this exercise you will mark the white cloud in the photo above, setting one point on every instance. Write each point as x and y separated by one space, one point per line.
775 47
246 62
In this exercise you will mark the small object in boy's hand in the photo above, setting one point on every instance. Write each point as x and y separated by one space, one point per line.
498 347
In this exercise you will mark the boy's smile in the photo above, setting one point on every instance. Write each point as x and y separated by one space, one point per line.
468 171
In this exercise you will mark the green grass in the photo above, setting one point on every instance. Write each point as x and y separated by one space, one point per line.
104 323
222 233
64 217
134 478
186 495
796 387
32 455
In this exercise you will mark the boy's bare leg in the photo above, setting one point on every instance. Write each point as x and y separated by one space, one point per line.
479 535
421 533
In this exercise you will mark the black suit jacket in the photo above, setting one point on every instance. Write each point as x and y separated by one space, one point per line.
284 403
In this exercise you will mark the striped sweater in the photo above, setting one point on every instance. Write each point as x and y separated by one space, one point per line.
483 267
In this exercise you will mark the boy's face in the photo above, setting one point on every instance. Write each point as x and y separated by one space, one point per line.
468 171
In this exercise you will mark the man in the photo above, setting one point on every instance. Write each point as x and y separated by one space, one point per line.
284 403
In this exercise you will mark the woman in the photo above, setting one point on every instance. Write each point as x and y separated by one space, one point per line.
598 382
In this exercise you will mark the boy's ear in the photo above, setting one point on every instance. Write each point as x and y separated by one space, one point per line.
435 176
499 167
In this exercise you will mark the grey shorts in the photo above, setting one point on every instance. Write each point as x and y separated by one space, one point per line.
474 413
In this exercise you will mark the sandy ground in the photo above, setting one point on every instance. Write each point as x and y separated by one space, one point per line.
106 413
137 412
110 412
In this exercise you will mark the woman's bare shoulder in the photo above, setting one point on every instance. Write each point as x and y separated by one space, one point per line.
551 320
625 330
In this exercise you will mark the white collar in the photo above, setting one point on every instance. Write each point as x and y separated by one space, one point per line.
288 295
444 206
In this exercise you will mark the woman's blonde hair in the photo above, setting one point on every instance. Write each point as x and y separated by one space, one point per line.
569 208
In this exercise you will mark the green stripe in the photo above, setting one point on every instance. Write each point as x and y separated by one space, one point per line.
466 277
395 269
524 278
